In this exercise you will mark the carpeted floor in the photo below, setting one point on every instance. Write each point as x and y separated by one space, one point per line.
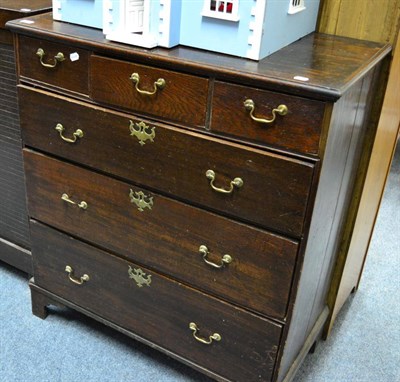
67 346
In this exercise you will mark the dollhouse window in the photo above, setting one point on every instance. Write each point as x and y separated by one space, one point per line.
221 9
296 6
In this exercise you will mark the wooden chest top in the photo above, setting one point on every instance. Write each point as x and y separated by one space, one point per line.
14 9
331 64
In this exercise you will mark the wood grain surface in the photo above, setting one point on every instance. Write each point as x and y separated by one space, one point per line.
369 20
304 195
331 64
68 74
334 195
167 237
160 312
299 130
175 163
183 99
347 274
14 9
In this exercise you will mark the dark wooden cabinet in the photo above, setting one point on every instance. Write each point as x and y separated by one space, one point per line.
202 196
14 229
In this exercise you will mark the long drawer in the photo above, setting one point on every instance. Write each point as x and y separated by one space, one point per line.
176 162
156 308
187 243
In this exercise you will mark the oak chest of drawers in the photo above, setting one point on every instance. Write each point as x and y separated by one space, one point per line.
201 196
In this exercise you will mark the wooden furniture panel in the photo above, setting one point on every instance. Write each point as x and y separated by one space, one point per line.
300 187
159 310
182 98
259 275
376 21
353 253
176 162
332 201
14 220
14 229
15 9
231 117
71 73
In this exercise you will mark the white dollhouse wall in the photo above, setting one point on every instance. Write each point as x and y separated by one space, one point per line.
246 28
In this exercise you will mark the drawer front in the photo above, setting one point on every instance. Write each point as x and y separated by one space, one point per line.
182 98
71 73
174 161
159 310
299 130
171 237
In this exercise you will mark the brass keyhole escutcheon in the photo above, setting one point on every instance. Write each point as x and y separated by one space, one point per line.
139 276
141 200
142 132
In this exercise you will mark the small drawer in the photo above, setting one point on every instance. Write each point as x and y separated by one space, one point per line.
182 164
236 262
235 109
61 66
169 314
149 91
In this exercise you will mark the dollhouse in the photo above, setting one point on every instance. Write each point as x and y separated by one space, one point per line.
245 28
84 12
146 23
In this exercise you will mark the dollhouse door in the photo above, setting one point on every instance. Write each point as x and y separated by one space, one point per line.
134 10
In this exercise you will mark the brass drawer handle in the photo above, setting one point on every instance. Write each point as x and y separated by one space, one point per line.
81 204
75 280
214 337
226 259
237 182
77 134
59 57
159 84
250 106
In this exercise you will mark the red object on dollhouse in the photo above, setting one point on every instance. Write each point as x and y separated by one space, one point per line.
228 9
